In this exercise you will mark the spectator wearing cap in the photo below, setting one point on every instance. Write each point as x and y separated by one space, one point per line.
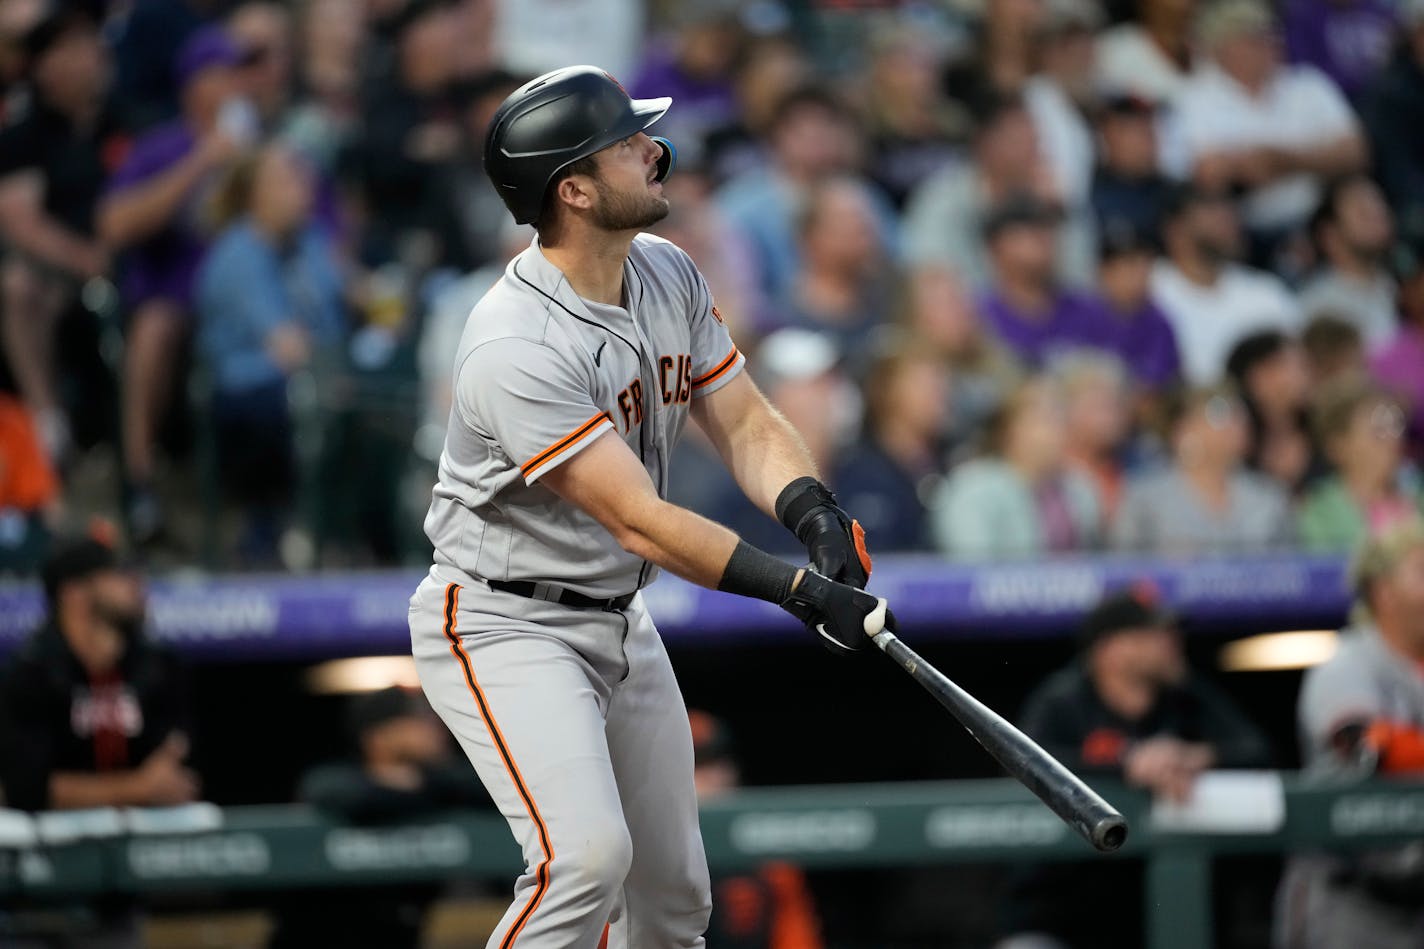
1128 189
1020 500
1204 501
1348 40
889 475
1152 55
1211 300
842 285
913 127
1249 121
769 907
1063 92
1393 112
1360 714
812 136
1025 306
1396 365
1362 430
1354 233
403 770
1139 333
152 213
403 161
1268 370
1131 707
91 713
944 217
69 140
269 303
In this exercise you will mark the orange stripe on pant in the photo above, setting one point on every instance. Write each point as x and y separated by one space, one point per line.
452 605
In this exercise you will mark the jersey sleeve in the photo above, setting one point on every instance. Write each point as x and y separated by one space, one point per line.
715 358
1336 695
536 405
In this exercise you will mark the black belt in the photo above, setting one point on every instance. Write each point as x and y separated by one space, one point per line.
557 594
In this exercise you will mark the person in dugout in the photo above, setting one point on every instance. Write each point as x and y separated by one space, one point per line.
1361 714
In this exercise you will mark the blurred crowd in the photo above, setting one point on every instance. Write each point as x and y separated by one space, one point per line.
1030 276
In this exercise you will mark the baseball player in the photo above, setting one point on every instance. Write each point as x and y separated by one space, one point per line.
573 380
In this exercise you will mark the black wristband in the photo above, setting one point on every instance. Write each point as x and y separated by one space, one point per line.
753 572
798 499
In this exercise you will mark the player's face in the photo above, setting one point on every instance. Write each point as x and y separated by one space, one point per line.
628 197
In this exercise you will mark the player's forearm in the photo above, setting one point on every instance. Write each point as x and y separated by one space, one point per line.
679 541
765 454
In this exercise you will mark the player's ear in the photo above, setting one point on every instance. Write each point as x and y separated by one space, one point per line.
576 191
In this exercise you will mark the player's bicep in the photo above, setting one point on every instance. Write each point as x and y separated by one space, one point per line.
607 482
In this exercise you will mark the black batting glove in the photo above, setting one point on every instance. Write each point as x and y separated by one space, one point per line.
843 616
835 542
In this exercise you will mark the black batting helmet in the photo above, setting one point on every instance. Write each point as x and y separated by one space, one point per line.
551 122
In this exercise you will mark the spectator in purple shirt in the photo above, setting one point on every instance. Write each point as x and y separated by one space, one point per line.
1138 331
1348 40
1025 306
152 213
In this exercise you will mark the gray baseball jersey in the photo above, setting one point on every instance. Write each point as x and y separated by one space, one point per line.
539 374
571 715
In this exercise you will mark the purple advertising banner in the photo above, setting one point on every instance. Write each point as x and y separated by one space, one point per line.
274 617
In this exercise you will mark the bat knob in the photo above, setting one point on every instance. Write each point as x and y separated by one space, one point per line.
1108 833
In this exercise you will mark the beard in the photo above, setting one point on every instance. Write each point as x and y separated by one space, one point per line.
627 212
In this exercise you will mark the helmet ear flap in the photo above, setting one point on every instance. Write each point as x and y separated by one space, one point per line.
667 161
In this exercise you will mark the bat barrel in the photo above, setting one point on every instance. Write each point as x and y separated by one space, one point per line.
1064 792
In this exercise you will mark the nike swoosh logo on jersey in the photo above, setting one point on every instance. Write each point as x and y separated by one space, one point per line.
598 354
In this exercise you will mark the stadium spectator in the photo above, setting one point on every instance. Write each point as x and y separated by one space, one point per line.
403 770
1063 92
94 715
1138 331
769 907
1393 112
30 503
322 121
913 127
898 462
1397 364
149 39
942 219
151 212
1020 499
1025 307
1002 49
482 219
17 18
1362 430
263 30
769 69
841 288
1151 56
1348 40
1269 371
1129 707
812 136
693 65
269 303
1097 420
1128 188
1333 348
54 160
1205 501
403 160
940 315
1361 713
1211 301
1354 235
1247 120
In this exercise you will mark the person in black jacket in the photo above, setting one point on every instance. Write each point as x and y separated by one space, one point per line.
92 714
1129 708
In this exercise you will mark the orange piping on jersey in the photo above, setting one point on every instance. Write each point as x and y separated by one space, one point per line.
1400 746
719 371
452 606
562 445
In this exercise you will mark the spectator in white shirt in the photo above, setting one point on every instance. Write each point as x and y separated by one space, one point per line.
1211 301
1061 94
1249 121
1354 232
1152 57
